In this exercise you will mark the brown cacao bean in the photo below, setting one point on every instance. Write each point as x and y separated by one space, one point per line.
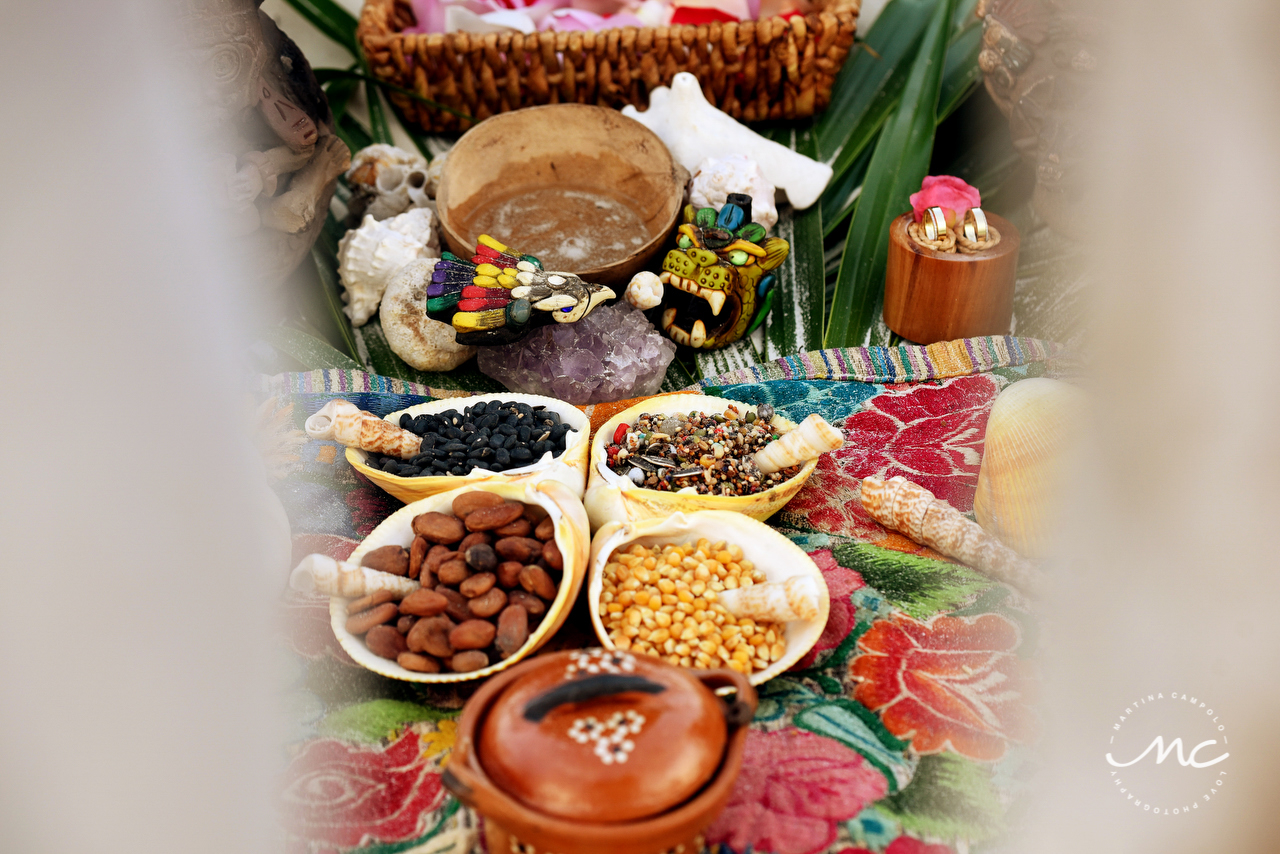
467 502
418 663
490 518
465 662
475 538
405 623
375 616
551 554
423 603
457 609
364 603
546 529
513 630
436 556
522 549
385 642
477 585
417 554
439 527
532 605
481 557
431 635
490 603
452 572
509 574
472 634
535 513
392 559
536 581
519 528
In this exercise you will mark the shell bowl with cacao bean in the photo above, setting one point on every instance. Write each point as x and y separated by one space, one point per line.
611 496
786 568
571 536
569 468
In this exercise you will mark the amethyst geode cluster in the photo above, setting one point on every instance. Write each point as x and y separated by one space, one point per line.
611 354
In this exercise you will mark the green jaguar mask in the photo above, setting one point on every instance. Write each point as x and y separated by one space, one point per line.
717 284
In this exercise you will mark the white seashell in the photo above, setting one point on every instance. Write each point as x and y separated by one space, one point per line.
694 130
370 255
1030 435
716 177
342 421
797 598
386 181
322 574
813 438
423 343
775 555
643 291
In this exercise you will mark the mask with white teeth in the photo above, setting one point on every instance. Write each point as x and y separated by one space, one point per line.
717 284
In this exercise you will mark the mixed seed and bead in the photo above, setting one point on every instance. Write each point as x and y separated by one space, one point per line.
663 601
707 453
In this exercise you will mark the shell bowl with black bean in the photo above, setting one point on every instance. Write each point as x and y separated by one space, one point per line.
491 591
467 440
685 453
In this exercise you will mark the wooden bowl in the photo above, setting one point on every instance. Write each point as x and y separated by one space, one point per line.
572 536
772 553
570 468
585 189
614 497
940 296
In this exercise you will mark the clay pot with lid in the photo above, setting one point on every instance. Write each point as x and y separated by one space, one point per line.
594 751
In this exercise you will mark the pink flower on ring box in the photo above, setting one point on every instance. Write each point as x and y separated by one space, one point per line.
904 845
948 192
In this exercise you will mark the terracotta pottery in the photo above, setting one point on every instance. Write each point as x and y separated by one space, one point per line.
583 188
594 751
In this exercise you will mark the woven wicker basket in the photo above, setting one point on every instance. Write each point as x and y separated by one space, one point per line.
754 70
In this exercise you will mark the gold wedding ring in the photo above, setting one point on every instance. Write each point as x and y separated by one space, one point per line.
934 224
975 225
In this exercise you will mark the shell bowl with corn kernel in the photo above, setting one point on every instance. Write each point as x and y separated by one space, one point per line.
570 468
685 620
571 535
611 496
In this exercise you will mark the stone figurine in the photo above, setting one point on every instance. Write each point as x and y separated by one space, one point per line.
716 286
283 162
499 295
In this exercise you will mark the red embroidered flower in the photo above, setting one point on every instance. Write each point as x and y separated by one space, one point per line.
840 583
948 192
930 434
904 845
794 787
951 683
340 795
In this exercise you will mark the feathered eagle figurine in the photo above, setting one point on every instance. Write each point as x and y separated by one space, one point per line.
500 295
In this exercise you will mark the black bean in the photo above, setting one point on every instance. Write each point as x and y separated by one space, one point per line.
479 408
478 442
457 457
449 415
457 470
452 432
540 448
389 466
496 440
479 464
524 409
521 455
429 440
502 457
511 442
559 430
553 417
454 446
506 430
405 421
409 471
523 434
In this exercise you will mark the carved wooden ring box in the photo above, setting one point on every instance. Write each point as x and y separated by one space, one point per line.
934 296
593 751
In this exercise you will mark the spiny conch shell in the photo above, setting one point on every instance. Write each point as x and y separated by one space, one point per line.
342 421
792 580
387 181
913 510
370 255
813 438
322 574
797 598
1030 436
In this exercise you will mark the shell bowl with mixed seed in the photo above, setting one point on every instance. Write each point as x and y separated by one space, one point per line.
561 455
685 453
706 590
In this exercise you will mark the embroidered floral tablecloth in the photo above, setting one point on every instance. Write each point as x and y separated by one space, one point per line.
905 730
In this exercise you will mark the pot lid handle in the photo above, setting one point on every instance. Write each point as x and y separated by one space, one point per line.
581 690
